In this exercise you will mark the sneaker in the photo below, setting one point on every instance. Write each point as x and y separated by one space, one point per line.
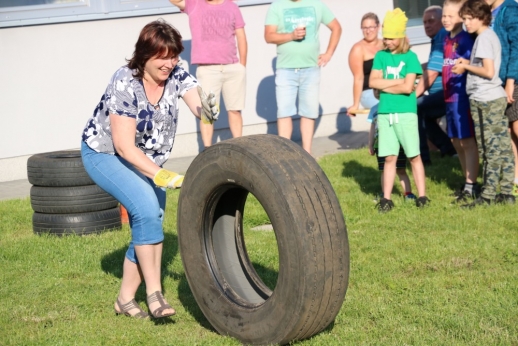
378 197
385 205
410 197
457 192
479 201
515 190
505 199
422 201
463 196
477 190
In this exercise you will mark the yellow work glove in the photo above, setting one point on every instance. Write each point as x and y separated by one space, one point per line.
165 178
210 107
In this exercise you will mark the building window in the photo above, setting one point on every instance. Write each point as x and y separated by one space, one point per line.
414 11
14 3
37 12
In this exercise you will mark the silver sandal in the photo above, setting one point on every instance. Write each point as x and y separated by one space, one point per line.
158 312
132 304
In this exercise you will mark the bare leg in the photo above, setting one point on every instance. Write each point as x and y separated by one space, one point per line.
131 279
469 146
285 127
514 144
419 175
389 174
307 129
235 122
461 154
404 180
207 130
150 259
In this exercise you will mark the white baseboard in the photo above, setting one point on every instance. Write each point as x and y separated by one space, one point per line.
190 144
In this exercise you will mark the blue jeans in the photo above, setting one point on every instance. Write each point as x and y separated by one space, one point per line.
304 82
144 201
367 99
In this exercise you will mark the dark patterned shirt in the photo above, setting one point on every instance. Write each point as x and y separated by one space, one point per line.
156 126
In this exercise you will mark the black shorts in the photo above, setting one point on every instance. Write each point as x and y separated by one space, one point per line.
400 163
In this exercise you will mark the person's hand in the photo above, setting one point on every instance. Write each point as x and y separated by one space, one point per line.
323 59
371 149
461 61
210 107
165 178
299 33
458 69
376 93
350 110
509 90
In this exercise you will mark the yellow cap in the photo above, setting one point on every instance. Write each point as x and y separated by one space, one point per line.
394 24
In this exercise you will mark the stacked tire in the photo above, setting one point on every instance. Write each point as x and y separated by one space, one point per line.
64 198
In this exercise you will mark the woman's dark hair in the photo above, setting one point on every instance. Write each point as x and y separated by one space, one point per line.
477 9
157 39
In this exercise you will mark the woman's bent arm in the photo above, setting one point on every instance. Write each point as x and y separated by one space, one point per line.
123 134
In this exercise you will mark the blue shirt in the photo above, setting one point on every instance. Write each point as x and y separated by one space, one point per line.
506 27
460 46
435 60
494 13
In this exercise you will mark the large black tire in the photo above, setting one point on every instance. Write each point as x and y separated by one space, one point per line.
69 200
309 228
80 224
57 168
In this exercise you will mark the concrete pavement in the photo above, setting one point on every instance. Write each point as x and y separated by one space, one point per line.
321 146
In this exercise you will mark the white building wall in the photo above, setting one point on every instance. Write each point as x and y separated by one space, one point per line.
54 75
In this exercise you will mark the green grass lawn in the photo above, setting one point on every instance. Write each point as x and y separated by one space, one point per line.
436 276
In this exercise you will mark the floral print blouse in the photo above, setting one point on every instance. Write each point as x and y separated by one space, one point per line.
156 124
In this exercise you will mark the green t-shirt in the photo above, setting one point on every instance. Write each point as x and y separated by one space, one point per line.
397 66
286 15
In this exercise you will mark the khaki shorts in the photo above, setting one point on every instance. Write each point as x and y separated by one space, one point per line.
229 80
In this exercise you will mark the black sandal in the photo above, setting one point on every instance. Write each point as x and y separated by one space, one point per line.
158 312
125 308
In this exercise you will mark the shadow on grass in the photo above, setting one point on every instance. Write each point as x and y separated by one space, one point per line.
267 275
186 297
443 171
367 178
327 329
113 262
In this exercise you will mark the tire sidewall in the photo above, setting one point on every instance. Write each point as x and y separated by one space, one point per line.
277 312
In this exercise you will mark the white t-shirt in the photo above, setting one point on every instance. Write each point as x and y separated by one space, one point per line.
487 46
